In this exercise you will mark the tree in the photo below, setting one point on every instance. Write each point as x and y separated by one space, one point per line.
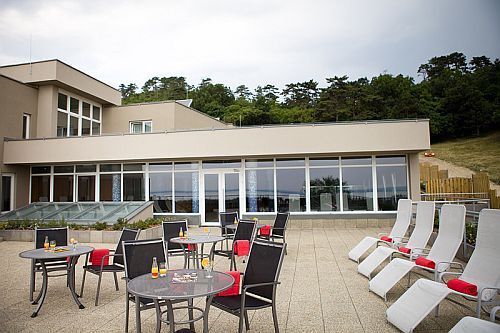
242 92
301 94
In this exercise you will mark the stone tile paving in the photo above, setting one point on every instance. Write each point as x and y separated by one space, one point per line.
320 291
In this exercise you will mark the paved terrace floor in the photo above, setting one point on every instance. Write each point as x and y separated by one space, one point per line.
321 291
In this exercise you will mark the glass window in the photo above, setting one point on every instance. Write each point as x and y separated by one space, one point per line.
85 127
6 203
391 160
186 166
259 163
86 168
357 188
96 128
221 164
40 188
391 186
325 189
26 126
334 161
62 102
63 169
86 188
110 187
160 192
96 113
259 190
291 190
40 169
133 187
63 188
110 167
73 126
160 166
134 167
186 192
135 127
148 126
290 163
62 124
86 109
356 160
74 105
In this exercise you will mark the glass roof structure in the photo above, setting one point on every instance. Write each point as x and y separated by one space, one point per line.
78 212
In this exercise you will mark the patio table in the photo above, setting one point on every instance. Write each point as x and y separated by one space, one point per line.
168 290
235 225
194 240
42 255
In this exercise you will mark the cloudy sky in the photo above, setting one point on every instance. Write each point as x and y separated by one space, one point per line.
246 42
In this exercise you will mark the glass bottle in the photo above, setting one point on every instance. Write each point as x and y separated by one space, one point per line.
235 220
154 269
46 243
181 234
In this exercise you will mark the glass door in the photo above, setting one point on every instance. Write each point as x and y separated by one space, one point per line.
221 193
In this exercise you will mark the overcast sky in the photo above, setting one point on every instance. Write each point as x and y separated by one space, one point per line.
246 42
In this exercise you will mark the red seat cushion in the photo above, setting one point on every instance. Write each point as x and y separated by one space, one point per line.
265 230
424 262
404 249
96 257
463 287
386 239
235 288
241 247
191 247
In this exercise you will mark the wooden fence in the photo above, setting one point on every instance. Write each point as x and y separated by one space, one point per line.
438 186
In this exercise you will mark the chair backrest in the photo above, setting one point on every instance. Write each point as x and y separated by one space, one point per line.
483 268
127 235
402 219
264 265
226 218
245 230
138 256
60 235
424 225
171 230
280 224
450 234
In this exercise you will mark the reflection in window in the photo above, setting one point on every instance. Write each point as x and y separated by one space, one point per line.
86 188
73 126
85 127
357 187
133 187
160 192
96 128
86 109
96 113
186 192
74 105
325 189
62 101
110 187
259 190
62 124
63 188
291 190
40 188
391 186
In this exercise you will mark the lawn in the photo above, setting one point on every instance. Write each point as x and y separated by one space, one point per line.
477 154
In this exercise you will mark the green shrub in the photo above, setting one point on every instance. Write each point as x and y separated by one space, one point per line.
471 233
99 226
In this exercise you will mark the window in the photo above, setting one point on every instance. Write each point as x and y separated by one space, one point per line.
62 124
391 181
86 188
63 188
291 185
357 184
77 117
110 187
40 188
26 126
186 192
7 202
324 184
145 126
259 190
160 191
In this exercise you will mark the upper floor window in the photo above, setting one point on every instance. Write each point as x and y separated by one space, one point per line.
144 126
76 117
26 126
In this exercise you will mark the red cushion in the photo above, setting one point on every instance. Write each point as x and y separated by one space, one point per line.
191 247
424 262
386 239
96 257
404 249
463 287
235 288
265 230
241 247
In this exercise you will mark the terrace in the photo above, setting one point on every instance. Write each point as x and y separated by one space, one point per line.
320 291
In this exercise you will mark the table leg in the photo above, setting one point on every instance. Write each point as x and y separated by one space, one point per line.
190 313
158 315
170 313
71 281
137 315
205 313
43 292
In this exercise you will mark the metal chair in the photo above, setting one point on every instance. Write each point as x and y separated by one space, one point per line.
116 266
225 219
60 235
171 230
245 231
279 228
260 280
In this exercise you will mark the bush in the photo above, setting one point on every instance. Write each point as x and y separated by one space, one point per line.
471 233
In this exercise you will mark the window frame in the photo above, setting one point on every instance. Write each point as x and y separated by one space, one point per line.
143 124
27 121
79 115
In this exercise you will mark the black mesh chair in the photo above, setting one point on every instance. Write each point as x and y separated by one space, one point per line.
115 267
244 231
279 228
225 219
171 230
60 235
138 258
260 281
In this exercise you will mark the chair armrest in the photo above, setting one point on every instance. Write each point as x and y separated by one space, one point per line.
494 313
451 263
107 256
249 286
402 239
443 274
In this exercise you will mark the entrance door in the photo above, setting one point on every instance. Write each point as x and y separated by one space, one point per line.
7 202
221 193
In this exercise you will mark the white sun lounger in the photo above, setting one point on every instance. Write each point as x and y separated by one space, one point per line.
471 324
450 236
398 231
418 240
483 270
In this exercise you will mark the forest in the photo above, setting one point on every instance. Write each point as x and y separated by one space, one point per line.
461 98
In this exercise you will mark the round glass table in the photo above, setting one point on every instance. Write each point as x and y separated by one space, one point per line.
194 240
179 284
60 252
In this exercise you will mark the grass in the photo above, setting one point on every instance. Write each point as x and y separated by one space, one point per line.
477 154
